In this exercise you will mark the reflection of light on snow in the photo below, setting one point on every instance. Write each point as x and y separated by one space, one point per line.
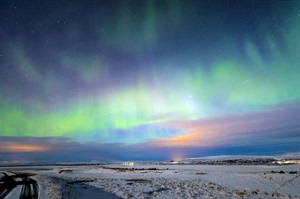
128 163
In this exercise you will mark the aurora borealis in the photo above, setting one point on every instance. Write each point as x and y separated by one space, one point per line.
148 80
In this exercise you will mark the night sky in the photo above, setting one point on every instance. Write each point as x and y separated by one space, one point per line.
148 79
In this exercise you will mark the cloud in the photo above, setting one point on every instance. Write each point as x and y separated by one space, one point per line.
281 122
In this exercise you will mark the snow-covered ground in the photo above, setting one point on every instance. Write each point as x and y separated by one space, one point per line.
168 181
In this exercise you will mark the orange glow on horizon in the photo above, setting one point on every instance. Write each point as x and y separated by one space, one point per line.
8 147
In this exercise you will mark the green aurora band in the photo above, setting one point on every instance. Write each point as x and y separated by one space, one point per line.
154 97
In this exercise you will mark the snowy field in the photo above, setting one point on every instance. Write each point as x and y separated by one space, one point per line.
163 181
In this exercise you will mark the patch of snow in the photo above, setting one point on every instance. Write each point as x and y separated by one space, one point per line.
169 181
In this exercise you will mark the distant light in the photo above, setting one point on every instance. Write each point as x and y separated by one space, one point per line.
128 163
287 162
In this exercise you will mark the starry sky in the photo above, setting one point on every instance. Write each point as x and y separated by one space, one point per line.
100 80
